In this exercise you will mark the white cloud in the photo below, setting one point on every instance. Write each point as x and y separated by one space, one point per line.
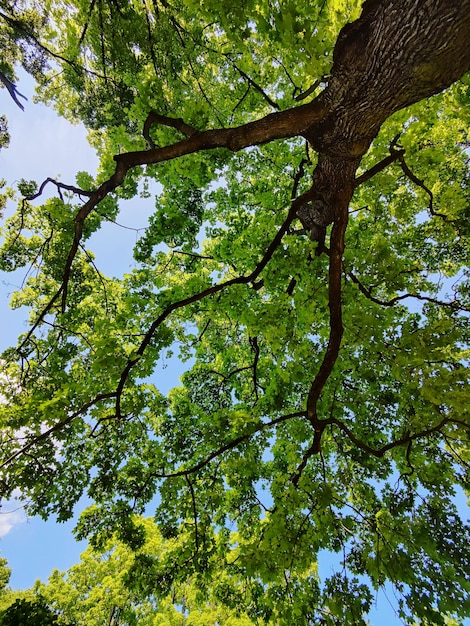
12 514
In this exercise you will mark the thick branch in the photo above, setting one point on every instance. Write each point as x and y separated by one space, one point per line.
177 123
381 64
282 125
396 54
341 204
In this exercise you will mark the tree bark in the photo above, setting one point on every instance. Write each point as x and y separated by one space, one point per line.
397 53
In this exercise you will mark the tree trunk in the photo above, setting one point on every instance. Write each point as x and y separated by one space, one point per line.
397 53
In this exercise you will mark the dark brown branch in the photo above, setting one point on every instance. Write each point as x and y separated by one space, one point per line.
204 95
240 280
456 454
178 124
102 35
240 101
193 255
60 186
314 449
307 92
389 303
201 334
94 199
274 126
255 86
381 165
150 37
217 453
193 501
405 440
56 427
234 372
64 329
336 319
255 347
408 460
85 27
281 125
229 446
420 183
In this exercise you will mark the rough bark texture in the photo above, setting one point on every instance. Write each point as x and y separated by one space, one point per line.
397 53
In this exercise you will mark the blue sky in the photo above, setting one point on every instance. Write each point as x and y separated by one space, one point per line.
43 145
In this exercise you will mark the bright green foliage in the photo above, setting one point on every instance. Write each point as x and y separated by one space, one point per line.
109 588
4 575
243 505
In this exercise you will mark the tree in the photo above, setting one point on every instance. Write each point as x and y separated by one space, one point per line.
26 613
307 260
21 608
106 588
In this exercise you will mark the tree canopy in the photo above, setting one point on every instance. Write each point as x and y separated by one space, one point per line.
307 262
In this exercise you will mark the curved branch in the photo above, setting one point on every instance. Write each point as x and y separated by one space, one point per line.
281 125
228 446
336 319
94 199
367 292
378 167
177 123
56 427
239 280
405 440
255 85
420 183
60 187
